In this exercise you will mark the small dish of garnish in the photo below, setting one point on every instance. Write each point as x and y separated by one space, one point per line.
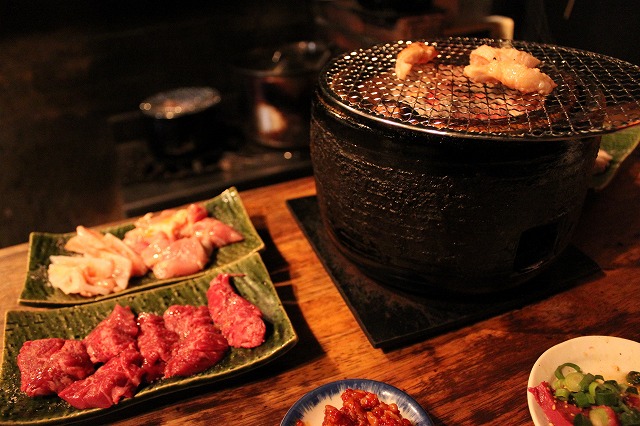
326 405
586 381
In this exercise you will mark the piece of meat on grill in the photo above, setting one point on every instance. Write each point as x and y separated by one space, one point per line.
112 335
200 344
414 54
155 343
117 379
239 320
513 75
511 67
484 54
47 366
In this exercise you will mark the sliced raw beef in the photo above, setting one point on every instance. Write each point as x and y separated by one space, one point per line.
155 342
238 319
114 334
200 346
47 366
118 378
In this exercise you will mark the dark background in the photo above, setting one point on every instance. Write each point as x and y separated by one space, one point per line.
68 67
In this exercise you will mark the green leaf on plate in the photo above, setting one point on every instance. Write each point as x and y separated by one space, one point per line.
226 207
619 145
77 321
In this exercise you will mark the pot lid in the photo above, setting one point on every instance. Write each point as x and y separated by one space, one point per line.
595 94
179 102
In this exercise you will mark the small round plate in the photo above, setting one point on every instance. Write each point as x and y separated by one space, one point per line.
310 408
612 357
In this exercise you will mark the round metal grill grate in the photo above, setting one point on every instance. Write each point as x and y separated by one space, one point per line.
595 93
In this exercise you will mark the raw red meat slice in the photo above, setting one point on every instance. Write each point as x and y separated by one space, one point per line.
118 378
559 413
47 366
155 342
200 346
239 320
114 334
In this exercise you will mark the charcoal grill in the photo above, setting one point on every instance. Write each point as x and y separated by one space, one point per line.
595 94
424 189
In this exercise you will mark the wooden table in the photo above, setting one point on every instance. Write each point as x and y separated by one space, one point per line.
470 376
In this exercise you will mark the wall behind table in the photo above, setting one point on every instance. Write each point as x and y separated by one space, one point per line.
66 67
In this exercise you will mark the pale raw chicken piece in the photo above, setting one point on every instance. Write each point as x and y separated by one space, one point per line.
485 54
93 243
138 268
213 233
174 224
179 242
513 75
87 276
153 249
414 54
182 257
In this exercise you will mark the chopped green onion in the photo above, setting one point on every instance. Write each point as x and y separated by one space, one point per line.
633 378
581 420
573 380
606 398
558 373
581 399
587 379
562 394
557 384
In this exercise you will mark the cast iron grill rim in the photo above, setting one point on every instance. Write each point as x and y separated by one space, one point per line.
596 94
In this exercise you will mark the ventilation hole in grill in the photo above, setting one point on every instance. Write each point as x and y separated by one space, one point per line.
536 245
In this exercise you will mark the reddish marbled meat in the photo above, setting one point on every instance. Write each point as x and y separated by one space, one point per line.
114 334
155 343
239 320
118 378
559 413
47 366
362 408
200 343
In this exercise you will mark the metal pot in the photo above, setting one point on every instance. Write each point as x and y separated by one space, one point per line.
451 201
278 86
182 122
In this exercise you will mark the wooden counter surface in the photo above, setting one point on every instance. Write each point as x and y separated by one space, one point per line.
469 376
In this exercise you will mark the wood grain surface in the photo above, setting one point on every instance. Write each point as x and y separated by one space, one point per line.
473 375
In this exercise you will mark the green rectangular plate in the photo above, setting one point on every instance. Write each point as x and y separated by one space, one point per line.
619 145
37 291
77 321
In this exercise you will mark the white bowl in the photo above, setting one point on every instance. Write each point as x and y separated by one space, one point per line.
310 408
612 357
